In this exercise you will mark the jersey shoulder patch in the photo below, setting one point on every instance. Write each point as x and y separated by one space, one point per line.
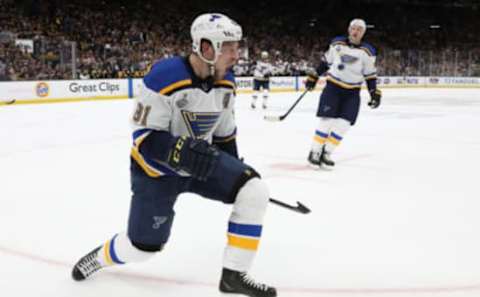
367 47
168 76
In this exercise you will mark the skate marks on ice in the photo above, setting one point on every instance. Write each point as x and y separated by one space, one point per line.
301 164
134 279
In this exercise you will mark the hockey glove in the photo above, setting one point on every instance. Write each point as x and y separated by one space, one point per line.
375 96
311 81
195 156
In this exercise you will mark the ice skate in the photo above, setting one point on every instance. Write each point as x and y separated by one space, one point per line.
236 282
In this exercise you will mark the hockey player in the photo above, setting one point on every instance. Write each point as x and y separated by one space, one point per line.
261 79
185 104
349 62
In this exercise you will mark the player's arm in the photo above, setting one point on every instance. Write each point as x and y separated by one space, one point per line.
152 141
224 136
370 74
322 67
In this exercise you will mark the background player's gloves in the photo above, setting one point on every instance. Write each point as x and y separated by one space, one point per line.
375 96
195 156
311 81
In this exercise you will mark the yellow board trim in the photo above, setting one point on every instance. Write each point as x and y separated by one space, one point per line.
106 252
243 243
63 100
176 85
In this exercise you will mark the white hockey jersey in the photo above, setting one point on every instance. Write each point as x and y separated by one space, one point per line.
262 70
349 65
173 99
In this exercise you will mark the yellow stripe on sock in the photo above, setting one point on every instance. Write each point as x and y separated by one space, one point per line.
319 139
243 243
333 140
106 253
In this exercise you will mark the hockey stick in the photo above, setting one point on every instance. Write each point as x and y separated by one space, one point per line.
298 208
282 117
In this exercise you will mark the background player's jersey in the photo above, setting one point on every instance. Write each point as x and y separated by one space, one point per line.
173 99
349 65
262 70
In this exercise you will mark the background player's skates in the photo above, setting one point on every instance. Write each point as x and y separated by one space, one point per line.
326 160
87 265
240 283
314 158
319 158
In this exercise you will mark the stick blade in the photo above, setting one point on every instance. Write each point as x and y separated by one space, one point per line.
302 208
272 118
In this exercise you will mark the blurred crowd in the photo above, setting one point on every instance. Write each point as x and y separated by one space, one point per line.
60 39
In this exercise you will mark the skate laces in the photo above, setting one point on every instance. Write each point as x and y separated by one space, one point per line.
251 282
89 264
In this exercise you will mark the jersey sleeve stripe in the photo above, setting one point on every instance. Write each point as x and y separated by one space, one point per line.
225 83
367 50
172 87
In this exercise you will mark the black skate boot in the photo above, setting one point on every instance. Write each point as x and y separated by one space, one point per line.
326 160
87 265
314 158
240 283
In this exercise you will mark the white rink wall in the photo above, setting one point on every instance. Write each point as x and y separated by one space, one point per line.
27 92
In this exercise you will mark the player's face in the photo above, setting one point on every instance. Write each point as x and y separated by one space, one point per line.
228 55
355 34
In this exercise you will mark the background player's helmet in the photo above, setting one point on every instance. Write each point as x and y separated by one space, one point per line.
358 22
216 28
264 55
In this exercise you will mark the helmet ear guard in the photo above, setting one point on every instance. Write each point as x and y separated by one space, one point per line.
215 28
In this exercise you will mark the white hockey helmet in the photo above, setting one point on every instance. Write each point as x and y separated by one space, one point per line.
359 23
215 28
264 54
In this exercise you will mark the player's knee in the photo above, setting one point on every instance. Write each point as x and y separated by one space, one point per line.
148 247
252 199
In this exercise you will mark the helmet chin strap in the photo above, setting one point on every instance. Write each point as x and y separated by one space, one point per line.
210 63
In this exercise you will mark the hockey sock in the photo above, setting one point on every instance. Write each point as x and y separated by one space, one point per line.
321 133
120 250
337 132
254 97
265 96
245 225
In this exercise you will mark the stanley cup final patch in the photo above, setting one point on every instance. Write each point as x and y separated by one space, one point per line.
182 102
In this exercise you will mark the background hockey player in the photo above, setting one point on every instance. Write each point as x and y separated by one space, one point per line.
349 62
184 105
261 79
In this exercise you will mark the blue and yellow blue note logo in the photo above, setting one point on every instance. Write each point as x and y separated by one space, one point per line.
199 124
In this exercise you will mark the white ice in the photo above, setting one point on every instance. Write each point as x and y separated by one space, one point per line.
398 216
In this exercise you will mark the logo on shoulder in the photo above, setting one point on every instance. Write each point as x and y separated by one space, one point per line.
182 102
42 89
